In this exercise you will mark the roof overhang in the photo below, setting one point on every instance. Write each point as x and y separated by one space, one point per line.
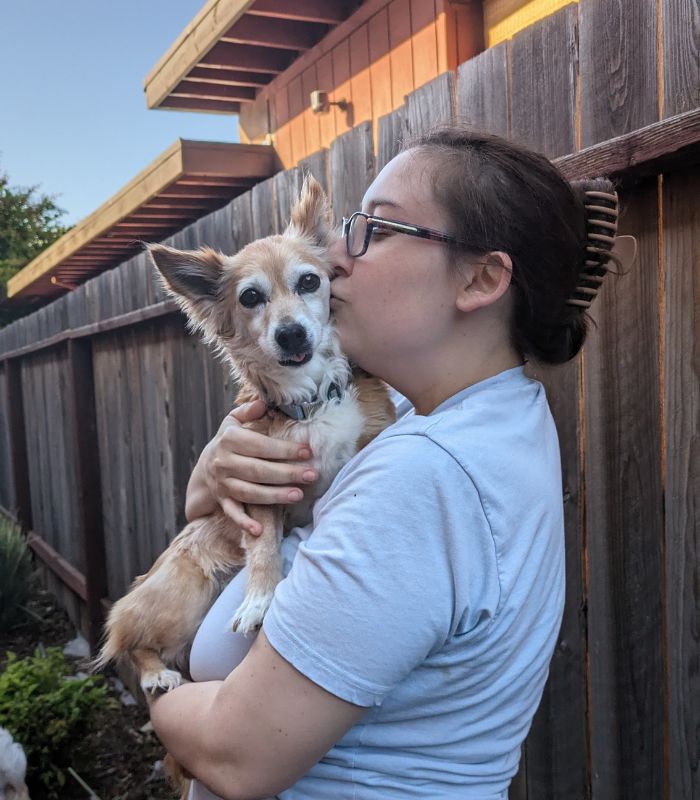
233 48
187 181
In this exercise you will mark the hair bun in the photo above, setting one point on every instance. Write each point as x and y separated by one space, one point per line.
601 204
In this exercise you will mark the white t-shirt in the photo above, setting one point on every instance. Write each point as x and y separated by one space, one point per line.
429 589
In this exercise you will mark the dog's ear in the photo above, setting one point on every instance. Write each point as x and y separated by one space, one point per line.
311 214
192 277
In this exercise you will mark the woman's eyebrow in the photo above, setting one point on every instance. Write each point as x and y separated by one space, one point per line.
382 202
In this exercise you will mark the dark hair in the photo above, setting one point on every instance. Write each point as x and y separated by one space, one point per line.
501 196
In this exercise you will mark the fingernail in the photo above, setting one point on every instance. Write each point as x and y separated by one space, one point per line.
308 476
295 495
305 453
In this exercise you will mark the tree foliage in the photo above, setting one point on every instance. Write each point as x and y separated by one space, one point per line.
29 223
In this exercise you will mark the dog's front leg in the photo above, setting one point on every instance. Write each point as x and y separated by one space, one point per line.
264 564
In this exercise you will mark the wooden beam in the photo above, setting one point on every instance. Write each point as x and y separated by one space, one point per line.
216 91
271 32
88 482
127 320
68 574
247 57
367 10
328 12
176 103
654 148
229 77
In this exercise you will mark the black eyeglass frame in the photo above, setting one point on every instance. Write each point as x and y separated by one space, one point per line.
393 225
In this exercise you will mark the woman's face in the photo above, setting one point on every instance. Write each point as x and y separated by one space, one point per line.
395 305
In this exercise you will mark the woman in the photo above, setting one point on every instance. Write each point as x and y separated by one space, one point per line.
406 652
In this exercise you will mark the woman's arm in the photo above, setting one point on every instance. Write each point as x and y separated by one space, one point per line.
257 732
240 466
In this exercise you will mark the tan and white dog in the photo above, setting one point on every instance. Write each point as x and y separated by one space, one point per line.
266 312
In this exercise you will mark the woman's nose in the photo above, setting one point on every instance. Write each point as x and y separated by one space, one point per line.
341 261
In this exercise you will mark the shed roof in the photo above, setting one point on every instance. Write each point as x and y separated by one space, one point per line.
232 48
187 181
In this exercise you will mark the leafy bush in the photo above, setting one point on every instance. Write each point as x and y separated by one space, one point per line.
51 714
15 574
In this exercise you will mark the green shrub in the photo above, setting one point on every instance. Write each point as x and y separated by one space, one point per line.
51 715
15 574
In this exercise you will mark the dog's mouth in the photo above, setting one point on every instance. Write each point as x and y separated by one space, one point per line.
296 359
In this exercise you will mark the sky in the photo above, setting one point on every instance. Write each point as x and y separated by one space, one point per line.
73 115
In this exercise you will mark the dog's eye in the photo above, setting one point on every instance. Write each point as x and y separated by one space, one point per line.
251 298
309 282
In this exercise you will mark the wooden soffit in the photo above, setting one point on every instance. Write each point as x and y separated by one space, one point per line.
233 48
187 181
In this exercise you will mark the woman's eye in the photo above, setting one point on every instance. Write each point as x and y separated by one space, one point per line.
309 282
251 298
377 233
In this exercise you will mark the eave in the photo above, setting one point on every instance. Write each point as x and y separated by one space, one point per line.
233 48
187 181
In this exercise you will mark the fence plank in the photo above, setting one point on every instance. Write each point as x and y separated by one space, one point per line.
242 221
263 207
19 491
483 91
682 493
681 49
393 129
543 84
625 524
287 188
618 69
555 762
317 165
88 484
352 169
431 105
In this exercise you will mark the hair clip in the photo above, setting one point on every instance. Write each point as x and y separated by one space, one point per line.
600 247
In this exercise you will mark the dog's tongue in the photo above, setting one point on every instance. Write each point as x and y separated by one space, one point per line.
300 357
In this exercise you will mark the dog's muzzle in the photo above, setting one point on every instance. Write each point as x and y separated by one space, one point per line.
294 345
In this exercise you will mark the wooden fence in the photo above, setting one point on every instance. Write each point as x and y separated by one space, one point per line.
107 401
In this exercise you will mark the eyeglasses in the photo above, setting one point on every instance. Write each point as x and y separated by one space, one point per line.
358 229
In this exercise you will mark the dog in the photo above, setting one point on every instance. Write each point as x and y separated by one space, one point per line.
266 313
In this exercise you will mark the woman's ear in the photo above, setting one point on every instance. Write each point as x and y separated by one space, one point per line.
484 281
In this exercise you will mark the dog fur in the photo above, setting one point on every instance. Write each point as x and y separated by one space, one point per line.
152 626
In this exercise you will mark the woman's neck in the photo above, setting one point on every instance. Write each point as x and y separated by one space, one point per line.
430 384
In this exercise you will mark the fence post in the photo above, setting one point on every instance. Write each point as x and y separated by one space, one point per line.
89 487
18 441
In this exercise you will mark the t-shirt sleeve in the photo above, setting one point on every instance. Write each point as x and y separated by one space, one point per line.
401 557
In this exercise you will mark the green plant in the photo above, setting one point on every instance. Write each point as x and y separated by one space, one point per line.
15 574
51 714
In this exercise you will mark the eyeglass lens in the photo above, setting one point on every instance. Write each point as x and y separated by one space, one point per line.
356 235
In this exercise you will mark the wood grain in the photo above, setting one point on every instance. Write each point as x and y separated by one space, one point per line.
682 493
351 169
543 85
618 69
483 91
431 105
681 56
624 523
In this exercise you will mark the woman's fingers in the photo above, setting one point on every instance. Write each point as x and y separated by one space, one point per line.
255 470
245 442
257 493
236 512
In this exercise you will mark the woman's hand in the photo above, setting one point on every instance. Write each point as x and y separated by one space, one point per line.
241 466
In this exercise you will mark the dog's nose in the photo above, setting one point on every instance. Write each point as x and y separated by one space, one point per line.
291 338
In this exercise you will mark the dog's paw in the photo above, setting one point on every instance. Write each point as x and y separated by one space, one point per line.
251 613
160 682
